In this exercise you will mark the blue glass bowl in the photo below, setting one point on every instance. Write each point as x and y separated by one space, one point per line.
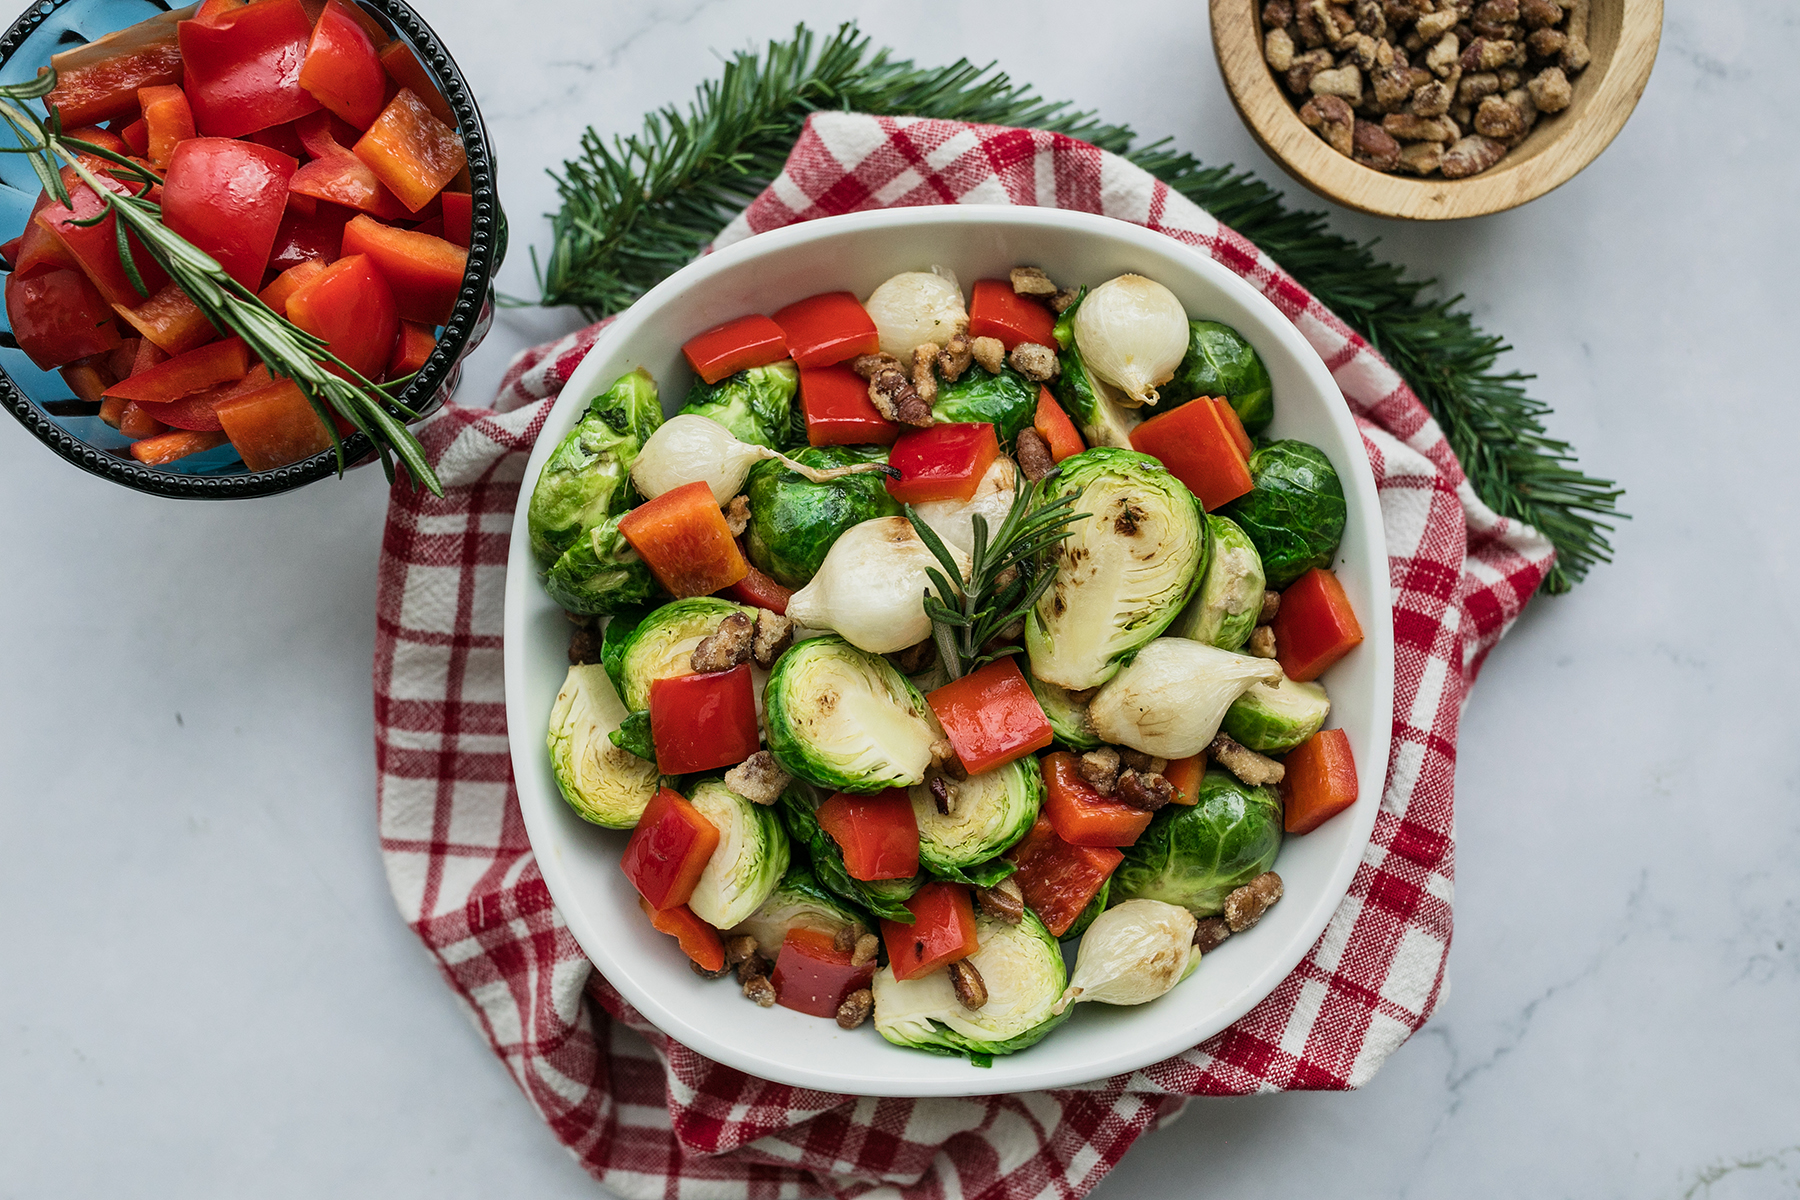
44 404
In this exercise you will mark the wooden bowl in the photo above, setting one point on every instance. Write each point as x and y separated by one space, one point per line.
1622 35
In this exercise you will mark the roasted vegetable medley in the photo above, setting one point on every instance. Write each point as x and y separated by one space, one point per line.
926 637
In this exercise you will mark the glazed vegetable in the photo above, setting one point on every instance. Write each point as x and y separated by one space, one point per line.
1060 881
1093 405
691 448
1082 816
740 345
1132 333
1320 781
1184 775
703 722
813 976
1022 969
883 898
877 835
871 586
988 813
943 462
1007 401
1132 954
1294 511
941 932
954 520
668 850
1196 856
660 645
1198 448
1054 426
990 716
756 405
1315 626
844 719
1125 573
1068 716
1226 607
760 591
1171 698
1219 362
601 782
749 861
996 311
685 541
797 903
699 941
915 307
838 412
828 328
601 574
585 480
1273 718
793 522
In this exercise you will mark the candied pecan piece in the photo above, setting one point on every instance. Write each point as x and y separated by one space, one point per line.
728 645
1278 14
924 380
1036 363
955 357
1476 86
866 947
737 515
1031 281
774 634
943 757
584 645
1421 158
1144 789
759 778
990 353
1100 767
1271 601
856 1008
1249 766
1262 642
1442 58
739 948
971 989
1245 906
943 794
1499 120
1339 81
1575 53
1331 118
758 989
1004 901
1278 50
1550 90
1299 76
1063 299
1540 14
1432 99
1210 933
1546 43
1375 147
1470 156
1033 454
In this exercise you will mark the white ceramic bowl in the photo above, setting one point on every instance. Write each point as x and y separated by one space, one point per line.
856 252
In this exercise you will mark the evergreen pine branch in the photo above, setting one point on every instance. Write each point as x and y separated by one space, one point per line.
638 208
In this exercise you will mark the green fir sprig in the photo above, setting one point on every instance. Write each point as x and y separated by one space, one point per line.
640 207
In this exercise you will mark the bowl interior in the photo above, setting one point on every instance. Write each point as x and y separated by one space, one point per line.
580 861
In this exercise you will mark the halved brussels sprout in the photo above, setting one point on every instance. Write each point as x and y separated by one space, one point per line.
1170 699
1123 573
1068 716
991 811
602 783
1007 401
885 898
587 477
1273 718
844 719
756 405
798 903
601 574
1219 362
1196 856
1093 405
1294 512
749 862
1022 967
1223 611
793 521
660 644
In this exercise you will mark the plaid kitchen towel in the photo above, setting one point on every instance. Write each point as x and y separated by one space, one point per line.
649 1117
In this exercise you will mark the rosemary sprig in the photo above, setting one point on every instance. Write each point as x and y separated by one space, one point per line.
287 350
1007 574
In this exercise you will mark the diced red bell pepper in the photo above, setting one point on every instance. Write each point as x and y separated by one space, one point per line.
162 448
878 834
96 246
325 134
228 197
345 179
217 13
700 722
699 941
88 378
168 121
349 305
1082 816
685 542
147 356
425 272
136 422
1320 781
942 462
1234 426
200 410
752 341
827 328
1315 625
813 976
411 348
1054 426
121 359
316 236
273 426
1193 443
283 138
341 68
1060 880
942 932
9 252
284 285
112 412
405 69
991 716
243 74
136 137
100 81
58 317
170 320
459 218
93 135
1184 776
668 850
210 365
379 37
996 311
758 589
411 151
38 247
835 401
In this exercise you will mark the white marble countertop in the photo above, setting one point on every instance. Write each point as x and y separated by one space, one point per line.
207 992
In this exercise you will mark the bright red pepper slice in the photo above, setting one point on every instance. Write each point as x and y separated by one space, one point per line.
700 722
991 716
1320 781
942 932
210 365
170 320
96 247
162 448
813 976
405 69
1234 427
345 179
827 328
350 305
58 317
752 341
200 410
136 422
758 589
100 81
168 121
105 138
1082 816
283 138
284 285
411 151
459 218
341 69
835 401
1060 880
425 272
88 377
411 349
878 834
1194 444
942 462
699 941
243 74
1315 625
668 850
1054 426
228 197
315 236
1184 775
685 542
996 311
273 426
38 247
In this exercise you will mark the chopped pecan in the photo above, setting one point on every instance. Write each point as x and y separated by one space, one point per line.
1393 85
774 634
1434 25
954 359
1432 99
844 940
1375 147
943 794
866 947
1360 50
1409 128
1471 155
1499 120
737 515
1144 789
1299 76
1031 281
1004 901
1546 43
1369 18
1033 454
1331 117
1550 90
924 380
1252 768
1339 81
1271 604
1306 21
1100 767
916 657
1442 58
703 973
1487 54
990 353
856 1008
971 989
1210 933
728 645
1278 14
1540 14
1575 54
1476 86
1262 641
1036 363
1246 906
1137 760
868 366
1063 299
943 757
1421 158
584 645
757 988
1278 50
759 778
752 966
739 948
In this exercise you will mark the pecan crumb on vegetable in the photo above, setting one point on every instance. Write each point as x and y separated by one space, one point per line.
866 947
1262 641
924 380
584 645
1036 363
737 515
1249 766
990 353
943 795
1211 933
739 948
757 988
943 757
954 359
1144 789
726 647
774 634
1004 901
856 1008
1271 604
1063 299
971 989
758 779
1246 906
1033 453
1100 767
1031 281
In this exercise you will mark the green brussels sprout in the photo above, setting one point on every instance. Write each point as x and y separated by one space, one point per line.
1219 362
845 719
1068 716
1224 610
1124 572
799 903
588 476
661 643
1091 404
602 783
633 735
1274 718
1007 401
601 574
794 521
989 812
1196 856
1294 512
1022 968
757 405
885 898
749 862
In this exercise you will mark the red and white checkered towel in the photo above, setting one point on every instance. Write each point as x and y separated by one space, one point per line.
647 1116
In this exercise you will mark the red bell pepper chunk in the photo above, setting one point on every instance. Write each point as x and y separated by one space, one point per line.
121 359
137 422
38 247
991 716
341 68
411 349
700 722
217 13
1320 781
168 121
176 443
210 365
100 81
58 317
96 246
425 272
87 378
9 252
243 73
996 311
1184 776
1234 426
1193 443
350 305
170 321
835 401
273 426
147 356
104 138
325 134
317 236
228 197
459 218
1060 880
1315 625
698 940
827 328
405 69
685 542
136 137
1082 816
200 410
813 976
1054 426
668 850
283 138
942 462
942 932
752 341
345 179
758 589
284 285
878 834
411 151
